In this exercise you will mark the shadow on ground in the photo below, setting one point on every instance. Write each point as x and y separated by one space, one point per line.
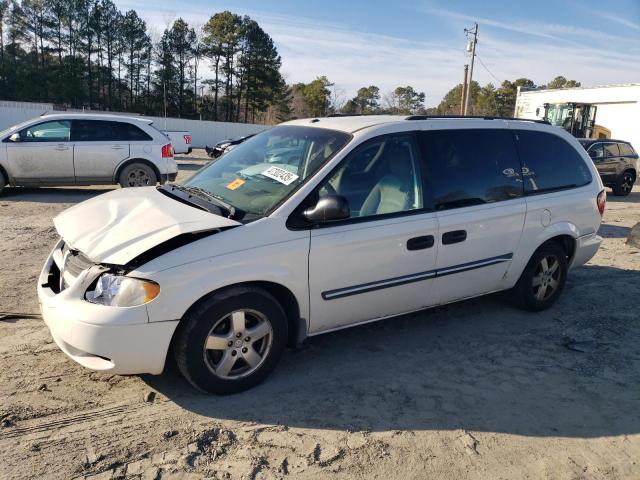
480 365
633 197
613 231
52 194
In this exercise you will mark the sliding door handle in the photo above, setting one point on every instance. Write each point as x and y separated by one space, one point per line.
420 243
455 236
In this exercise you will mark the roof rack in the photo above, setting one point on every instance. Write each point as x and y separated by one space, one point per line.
429 117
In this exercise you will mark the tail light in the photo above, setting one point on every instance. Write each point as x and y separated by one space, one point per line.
187 139
601 201
167 151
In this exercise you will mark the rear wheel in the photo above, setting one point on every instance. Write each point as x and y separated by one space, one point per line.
137 175
624 185
232 340
543 279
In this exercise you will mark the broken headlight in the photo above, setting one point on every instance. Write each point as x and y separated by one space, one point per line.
120 291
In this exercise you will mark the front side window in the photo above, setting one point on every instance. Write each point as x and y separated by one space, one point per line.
549 162
471 167
54 131
596 151
380 177
261 172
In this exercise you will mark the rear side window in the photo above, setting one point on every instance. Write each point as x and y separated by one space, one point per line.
626 149
127 131
611 150
549 162
103 131
471 167
91 131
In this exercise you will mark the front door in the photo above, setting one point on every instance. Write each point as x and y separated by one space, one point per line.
476 180
97 150
43 155
381 261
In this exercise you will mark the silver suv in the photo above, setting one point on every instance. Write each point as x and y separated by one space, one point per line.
83 149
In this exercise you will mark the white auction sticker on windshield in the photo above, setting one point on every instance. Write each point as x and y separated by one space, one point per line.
281 175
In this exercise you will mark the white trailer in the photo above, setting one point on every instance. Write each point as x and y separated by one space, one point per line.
617 113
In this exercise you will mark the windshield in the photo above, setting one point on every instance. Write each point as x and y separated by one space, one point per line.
263 170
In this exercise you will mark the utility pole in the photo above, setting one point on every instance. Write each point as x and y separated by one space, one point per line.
164 100
472 47
464 89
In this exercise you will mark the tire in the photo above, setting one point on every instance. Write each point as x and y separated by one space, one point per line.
528 289
624 184
137 175
3 182
245 329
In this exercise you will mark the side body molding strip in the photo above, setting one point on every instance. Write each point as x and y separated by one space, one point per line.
415 277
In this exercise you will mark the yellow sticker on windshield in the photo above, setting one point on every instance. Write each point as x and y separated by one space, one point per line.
238 182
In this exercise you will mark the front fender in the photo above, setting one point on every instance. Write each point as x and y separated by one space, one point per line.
182 286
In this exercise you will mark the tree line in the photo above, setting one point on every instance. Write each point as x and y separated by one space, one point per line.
89 54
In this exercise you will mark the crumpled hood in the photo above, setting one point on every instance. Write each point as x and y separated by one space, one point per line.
118 226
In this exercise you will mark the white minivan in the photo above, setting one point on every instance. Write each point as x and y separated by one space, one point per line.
313 226
85 149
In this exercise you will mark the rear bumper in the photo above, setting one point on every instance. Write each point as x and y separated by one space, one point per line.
586 247
106 339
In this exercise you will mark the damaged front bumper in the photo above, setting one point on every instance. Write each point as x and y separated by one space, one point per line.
103 338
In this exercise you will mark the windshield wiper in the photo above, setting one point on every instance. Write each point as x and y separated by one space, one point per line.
225 208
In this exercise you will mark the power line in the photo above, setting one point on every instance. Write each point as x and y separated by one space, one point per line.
485 67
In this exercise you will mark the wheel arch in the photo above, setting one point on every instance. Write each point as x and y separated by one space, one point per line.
297 331
566 242
5 174
129 161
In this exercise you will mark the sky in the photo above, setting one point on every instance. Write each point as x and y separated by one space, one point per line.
358 43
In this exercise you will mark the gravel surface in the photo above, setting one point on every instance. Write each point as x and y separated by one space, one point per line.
477 389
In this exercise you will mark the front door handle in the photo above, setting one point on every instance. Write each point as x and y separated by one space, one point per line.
455 236
62 148
420 243
118 147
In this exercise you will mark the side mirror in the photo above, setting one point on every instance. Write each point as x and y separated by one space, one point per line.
15 137
329 208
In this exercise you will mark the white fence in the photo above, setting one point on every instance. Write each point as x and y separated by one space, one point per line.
203 132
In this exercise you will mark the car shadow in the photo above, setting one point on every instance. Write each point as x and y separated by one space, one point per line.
479 365
52 194
633 197
613 231
190 166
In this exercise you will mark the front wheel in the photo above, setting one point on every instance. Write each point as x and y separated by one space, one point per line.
231 340
543 279
137 175
3 182
624 184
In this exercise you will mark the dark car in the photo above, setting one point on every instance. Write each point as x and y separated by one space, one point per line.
616 161
221 147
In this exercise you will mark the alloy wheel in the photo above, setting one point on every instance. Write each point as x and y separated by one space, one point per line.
138 178
238 344
546 278
627 182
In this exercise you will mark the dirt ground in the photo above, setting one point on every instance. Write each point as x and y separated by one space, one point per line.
474 390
